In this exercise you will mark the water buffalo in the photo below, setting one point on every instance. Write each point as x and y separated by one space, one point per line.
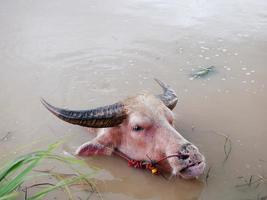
141 127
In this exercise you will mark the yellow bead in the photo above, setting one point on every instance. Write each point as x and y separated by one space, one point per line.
154 171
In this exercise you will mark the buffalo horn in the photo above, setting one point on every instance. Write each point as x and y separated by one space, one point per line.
169 98
106 116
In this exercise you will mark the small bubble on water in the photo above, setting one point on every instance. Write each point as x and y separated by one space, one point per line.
181 70
247 73
252 71
244 81
244 68
252 81
205 48
236 54
201 56
223 79
207 58
216 55
229 69
224 50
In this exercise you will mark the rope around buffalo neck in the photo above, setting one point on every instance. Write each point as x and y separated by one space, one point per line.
143 164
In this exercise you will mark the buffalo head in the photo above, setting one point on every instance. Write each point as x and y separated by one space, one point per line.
141 127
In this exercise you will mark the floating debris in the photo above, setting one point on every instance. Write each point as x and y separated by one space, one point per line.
203 71
6 137
252 181
207 175
227 147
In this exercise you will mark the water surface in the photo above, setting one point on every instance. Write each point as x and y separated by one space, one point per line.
82 54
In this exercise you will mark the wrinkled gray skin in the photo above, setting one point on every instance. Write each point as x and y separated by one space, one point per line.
147 130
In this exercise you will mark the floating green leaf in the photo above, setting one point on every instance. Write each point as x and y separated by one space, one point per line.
203 71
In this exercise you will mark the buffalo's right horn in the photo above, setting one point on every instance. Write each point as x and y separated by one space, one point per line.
169 97
107 116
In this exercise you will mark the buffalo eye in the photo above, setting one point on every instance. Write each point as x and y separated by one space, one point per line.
137 128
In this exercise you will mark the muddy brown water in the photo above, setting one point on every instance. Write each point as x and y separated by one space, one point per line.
82 54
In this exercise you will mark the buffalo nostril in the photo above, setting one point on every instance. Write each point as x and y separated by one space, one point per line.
183 156
186 147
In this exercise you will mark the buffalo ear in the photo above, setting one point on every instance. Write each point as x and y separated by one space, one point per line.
101 145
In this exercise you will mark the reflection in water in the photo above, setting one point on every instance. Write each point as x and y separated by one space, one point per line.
83 54
139 184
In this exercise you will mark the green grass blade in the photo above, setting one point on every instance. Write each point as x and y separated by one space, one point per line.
14 183
60 184
10 196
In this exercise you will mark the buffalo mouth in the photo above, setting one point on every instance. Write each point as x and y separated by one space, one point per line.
193 170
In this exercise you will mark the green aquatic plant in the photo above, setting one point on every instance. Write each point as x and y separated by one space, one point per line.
252 181
18 172
203 71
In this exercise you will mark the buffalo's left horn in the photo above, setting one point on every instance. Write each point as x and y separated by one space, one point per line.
169 97
107 116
